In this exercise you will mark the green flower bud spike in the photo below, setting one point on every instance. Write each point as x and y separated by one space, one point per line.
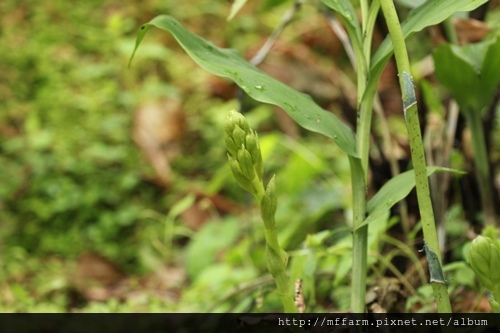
269 203
239 136
246 164
245 160
238 175
484 258
253 147
232 148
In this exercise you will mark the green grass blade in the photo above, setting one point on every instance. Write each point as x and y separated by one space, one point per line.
346 11
395 190
257 84
235 8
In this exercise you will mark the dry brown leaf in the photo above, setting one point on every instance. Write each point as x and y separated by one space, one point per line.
158 126
468 31
96 270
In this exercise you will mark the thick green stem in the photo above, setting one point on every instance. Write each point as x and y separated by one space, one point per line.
450 31
276 263
416 146
481 165
247 168
276 257
365 105
359 167
360 237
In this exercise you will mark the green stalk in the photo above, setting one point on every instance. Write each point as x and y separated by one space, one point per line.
482 164
360 237
416 146
276 263
359 167
245 160
450 31
276 257
365 105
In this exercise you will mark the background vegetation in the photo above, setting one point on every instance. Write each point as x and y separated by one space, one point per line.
115 193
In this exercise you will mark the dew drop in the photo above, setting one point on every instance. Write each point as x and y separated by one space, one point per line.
293 108
317 120
245 89
260 87
229 72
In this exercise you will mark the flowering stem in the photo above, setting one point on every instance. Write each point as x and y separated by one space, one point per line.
245 160
416 145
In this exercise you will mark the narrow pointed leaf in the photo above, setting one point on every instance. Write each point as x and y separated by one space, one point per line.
235 8
431 12
395 190
257 84
474 85
346 11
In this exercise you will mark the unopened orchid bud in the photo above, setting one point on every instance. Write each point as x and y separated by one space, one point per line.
269 201
231 147
246 164
484 258
238 175
235 119
239 136
253 147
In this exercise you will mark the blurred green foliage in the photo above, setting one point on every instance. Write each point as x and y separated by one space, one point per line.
73 180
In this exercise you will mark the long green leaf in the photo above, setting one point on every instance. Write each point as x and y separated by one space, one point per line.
346 11
474 85
395 190
257 84
432 12
410 3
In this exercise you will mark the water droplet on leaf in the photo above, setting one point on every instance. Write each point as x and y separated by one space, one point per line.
293 108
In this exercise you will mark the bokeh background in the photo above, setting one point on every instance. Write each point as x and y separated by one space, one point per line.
115 193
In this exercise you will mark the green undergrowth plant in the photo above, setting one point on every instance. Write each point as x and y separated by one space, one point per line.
356 144
473 87
484 259
410 110
245 160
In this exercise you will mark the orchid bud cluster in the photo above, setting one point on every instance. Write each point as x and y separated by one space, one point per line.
244 155
484 258
245 160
